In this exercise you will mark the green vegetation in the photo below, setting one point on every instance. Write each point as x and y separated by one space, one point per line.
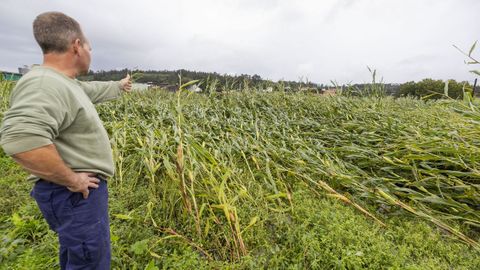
434 89
214 82
209 81
249 180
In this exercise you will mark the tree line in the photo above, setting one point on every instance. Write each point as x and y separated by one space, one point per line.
213 81
206 79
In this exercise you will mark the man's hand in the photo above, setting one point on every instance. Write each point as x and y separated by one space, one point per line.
46 163
82 182
126 83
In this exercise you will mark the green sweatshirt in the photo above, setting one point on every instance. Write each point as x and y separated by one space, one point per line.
48 107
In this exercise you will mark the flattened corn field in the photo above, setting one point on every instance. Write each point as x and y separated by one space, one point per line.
248 180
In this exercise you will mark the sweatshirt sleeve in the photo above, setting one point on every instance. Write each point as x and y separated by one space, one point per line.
33 120
101 91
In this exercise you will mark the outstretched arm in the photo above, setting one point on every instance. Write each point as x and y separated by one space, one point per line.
104 91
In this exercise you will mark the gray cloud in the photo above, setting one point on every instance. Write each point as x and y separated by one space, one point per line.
322 40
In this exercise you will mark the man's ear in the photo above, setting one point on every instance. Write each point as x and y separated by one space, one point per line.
77 43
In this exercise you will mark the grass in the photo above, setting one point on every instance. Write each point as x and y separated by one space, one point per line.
278 181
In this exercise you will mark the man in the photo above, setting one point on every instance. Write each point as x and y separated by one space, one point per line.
52 129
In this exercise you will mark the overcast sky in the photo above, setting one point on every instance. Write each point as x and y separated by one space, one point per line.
278 39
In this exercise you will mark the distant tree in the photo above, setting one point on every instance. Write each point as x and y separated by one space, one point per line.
433 89
256 78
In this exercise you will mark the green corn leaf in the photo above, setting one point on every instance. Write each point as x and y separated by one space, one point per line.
475 72
472 48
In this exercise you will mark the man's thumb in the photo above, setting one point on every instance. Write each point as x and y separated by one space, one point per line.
85 194
128 76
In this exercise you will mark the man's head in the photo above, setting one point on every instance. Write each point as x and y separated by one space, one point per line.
57 33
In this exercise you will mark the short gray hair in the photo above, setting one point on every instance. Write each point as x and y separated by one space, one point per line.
55 31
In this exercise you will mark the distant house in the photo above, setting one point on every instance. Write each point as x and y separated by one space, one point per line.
10 76
329 91
267 90
194 88
23 70
15 76
171 88
140 86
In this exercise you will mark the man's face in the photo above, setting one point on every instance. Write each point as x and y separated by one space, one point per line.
84 58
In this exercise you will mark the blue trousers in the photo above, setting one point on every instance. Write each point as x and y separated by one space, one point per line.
82 225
